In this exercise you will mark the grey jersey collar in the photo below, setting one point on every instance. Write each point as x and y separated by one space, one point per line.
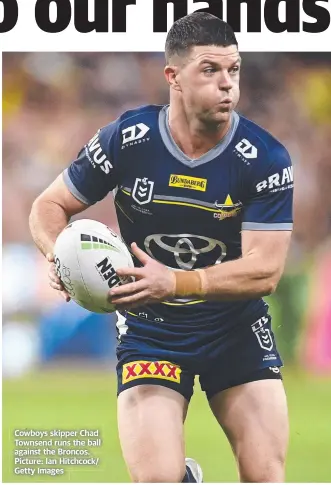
174 149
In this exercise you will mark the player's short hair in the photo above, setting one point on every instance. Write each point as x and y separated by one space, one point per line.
198 28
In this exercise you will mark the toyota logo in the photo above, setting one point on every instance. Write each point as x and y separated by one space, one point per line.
194 250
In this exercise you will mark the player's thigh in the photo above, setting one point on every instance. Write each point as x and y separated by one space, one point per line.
255 419
150 422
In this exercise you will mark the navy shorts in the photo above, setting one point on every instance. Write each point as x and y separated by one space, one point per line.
154 354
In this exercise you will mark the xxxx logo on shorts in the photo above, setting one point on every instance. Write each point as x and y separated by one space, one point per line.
141 369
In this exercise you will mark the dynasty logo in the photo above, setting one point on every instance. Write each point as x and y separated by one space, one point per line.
141 369
193 183
228 209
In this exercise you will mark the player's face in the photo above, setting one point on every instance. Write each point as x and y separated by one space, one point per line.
209 82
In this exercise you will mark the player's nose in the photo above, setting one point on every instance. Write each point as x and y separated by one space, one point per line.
225 81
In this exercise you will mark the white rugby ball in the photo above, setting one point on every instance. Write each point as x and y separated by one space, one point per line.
87 254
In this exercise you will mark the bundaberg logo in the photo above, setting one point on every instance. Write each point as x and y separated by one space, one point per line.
185 182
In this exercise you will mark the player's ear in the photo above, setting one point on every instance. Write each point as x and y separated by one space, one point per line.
171 74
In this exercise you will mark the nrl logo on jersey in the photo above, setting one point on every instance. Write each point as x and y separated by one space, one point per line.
228 209
134 135
142 191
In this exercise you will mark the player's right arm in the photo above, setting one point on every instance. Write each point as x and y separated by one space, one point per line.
51 212
88 179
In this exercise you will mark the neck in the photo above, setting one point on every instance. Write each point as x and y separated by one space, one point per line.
194 137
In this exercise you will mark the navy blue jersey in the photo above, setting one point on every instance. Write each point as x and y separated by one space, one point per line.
186 213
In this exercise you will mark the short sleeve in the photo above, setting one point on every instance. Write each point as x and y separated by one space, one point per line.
93 175
269 205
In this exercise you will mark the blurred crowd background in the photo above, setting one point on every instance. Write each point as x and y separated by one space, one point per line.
52 105
54 102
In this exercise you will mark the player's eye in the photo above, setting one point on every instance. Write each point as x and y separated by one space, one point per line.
234 70
209 70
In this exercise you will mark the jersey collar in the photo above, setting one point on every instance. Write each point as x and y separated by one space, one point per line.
174 149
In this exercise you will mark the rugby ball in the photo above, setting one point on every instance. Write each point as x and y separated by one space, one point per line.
87 254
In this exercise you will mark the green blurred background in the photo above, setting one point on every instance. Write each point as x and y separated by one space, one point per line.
58 360
86 399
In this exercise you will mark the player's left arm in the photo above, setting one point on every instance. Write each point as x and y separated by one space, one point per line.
265 238
254 275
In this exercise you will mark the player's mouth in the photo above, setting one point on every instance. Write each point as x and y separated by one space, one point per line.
225 105
226 101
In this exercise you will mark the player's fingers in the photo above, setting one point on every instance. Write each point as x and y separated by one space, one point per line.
141 255
61 290
53 276
136 272
55 286
127 289
50 257
127 302
65 295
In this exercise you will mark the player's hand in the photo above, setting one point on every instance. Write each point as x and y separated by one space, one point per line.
54 280
154 282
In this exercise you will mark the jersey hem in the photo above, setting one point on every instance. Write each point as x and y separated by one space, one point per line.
257 226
